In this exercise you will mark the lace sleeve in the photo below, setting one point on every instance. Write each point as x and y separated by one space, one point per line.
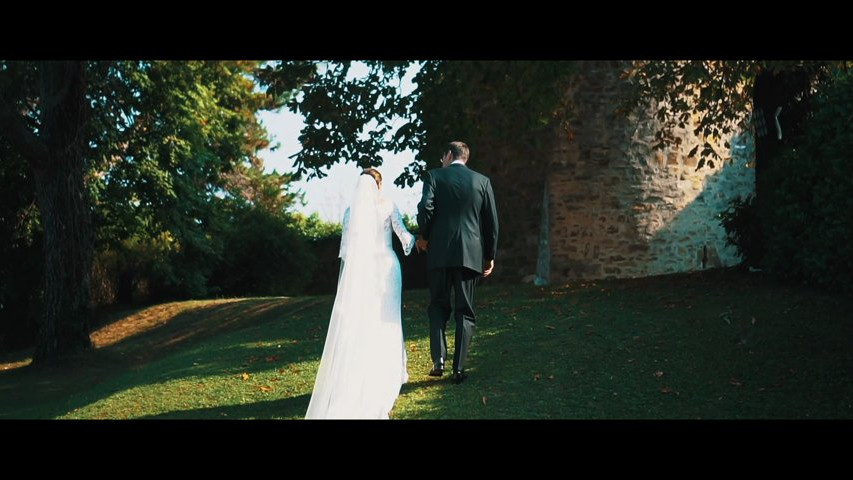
406 238
344 229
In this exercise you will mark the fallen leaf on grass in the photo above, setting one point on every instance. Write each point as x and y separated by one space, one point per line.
265 388
244 376
484 400
536 376
658 374
271 358
735 382
549 327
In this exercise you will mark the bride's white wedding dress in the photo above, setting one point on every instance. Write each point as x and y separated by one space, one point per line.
364 359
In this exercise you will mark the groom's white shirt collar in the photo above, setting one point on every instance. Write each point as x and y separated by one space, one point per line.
460 162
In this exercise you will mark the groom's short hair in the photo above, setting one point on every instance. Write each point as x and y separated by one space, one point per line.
458 150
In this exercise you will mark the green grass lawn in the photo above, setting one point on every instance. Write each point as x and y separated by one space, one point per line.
715 345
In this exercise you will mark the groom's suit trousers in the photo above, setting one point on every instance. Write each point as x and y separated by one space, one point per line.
442 281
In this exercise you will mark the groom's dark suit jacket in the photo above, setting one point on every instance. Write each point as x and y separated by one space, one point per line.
457 215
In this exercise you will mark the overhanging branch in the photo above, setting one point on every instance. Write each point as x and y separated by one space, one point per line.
12 128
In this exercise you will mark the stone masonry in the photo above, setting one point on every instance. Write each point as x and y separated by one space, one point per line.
619 208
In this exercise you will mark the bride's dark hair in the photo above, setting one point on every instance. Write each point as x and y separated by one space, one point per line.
373 173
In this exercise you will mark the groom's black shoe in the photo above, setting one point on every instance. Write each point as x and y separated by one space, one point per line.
437 370
459 377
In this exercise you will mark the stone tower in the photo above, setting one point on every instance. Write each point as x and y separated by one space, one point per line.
605 203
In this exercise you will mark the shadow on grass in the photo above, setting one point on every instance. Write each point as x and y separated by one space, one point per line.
284 408
696 346
714 345
143 333
269 349
46 392
203 322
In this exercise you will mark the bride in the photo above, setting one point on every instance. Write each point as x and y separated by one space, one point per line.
364 360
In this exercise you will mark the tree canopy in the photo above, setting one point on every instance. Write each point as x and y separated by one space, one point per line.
168 151
719 94
352 119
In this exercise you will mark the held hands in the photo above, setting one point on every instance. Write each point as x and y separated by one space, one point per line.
421 244
488 267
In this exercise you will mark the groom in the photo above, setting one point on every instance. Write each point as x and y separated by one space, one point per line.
458 226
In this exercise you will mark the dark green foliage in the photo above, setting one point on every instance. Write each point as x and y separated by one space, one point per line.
263 255
20 251
170 148
800 231
811 219
743 228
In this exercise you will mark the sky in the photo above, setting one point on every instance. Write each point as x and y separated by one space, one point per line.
329 196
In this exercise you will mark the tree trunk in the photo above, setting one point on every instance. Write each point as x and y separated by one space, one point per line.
65 215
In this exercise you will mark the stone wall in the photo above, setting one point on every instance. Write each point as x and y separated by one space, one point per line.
618 208
518 172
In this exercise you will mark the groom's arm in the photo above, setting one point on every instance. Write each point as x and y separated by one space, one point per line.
489 223
426 209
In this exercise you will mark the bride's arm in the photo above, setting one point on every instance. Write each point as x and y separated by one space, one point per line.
406 238
342 252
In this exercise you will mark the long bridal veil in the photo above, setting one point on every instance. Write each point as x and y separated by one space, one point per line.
346 379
